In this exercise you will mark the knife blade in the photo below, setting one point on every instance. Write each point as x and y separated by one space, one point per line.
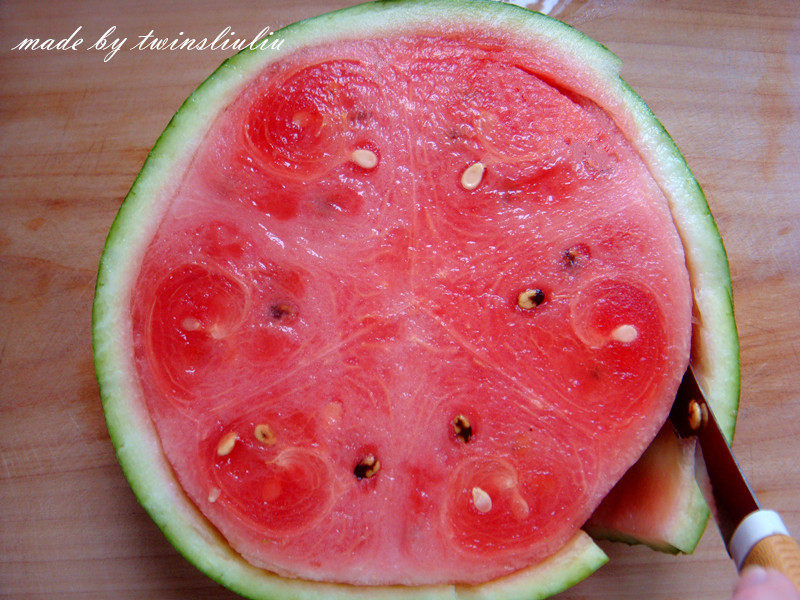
751 535
732 496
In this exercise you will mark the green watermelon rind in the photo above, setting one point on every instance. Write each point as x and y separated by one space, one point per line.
133 433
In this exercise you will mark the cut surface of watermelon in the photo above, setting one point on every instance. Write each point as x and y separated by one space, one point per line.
354 312
396 307
667 503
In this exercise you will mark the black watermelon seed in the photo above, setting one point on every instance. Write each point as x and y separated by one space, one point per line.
367 467
462 428
530 298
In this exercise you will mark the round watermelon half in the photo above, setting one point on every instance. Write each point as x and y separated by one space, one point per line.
395 303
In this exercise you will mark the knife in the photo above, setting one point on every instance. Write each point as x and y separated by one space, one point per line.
752 536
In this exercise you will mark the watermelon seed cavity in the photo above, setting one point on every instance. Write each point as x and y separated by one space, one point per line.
264 434
530 298
359 116
213 494
216 332
472 176
481 500
367 467
366 159
227 443
576 255
282 309
462 428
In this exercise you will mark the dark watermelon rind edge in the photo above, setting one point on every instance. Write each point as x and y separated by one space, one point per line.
132 432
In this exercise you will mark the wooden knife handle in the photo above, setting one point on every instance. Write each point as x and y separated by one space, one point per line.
779 552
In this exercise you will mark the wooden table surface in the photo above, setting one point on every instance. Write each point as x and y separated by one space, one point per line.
724 78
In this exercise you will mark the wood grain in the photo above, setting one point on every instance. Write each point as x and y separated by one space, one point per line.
724 77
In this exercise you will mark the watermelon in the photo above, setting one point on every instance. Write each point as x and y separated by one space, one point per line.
393 306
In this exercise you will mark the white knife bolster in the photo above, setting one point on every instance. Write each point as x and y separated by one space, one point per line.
754 527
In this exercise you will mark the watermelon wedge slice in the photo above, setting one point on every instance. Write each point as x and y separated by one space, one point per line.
389 311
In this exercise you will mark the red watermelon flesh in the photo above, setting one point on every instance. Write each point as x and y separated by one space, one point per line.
311 332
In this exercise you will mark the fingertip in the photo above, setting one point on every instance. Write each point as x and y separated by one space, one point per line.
753 575
757 583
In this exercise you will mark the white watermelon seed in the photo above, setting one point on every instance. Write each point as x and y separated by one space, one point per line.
190 324
481 500
625 334
519 508
264 434
367 467
529 299
366 159
213 494
227 443
300 119
472 176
